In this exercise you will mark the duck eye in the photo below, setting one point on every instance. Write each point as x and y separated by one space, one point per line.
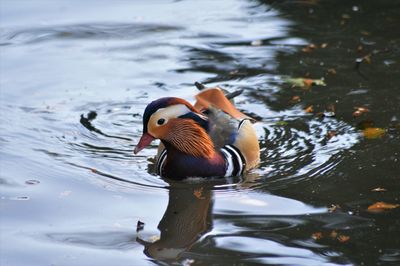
160 121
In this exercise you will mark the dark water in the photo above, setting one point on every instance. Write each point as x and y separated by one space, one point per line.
72 192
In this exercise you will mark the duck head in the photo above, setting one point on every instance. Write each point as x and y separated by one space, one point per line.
178 125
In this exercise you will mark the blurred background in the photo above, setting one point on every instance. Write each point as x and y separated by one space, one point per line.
322 78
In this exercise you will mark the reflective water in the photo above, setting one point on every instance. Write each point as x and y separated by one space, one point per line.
76 77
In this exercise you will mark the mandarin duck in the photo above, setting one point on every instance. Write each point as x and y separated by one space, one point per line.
208 139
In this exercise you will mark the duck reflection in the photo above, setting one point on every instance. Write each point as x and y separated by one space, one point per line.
186 219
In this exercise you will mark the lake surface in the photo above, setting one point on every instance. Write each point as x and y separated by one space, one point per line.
75 77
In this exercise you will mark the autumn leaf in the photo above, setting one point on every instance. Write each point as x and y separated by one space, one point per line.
382 206
333 234
304 82
309 48
308 82
198 193
333 207
373 132
379 189
309 109
316 235
295 99
332 71
343 238
281 123
331 134
359 111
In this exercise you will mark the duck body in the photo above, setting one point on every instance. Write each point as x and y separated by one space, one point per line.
208 139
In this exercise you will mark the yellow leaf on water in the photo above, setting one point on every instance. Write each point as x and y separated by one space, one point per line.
316 235
379 189
309 109
305 82
381 206
343 238
198 193
373 132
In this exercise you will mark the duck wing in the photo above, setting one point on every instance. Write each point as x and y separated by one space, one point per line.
227 125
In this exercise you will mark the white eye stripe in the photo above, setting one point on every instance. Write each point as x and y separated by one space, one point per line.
171 111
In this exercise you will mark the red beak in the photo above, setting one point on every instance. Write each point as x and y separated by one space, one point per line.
145 140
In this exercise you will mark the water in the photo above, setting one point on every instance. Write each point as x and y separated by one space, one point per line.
72 192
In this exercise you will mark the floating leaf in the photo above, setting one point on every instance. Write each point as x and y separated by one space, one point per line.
359 111
331 134
373 132
343 238
324 45
309 109
333 234
198 193
295 99
316 235
365 33
281 123
379 189
332 71
382 206
333 207
309 48
305 82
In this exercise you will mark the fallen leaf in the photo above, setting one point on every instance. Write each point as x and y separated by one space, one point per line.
382 206
365 33
316 235
333 234
324 45
309 109
309 48
373 132
343 238
93 170
379 189
281 123
359 111
198 193
308 82
295 99
333 207
346 16
305 82
330 134
332 71
367 58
